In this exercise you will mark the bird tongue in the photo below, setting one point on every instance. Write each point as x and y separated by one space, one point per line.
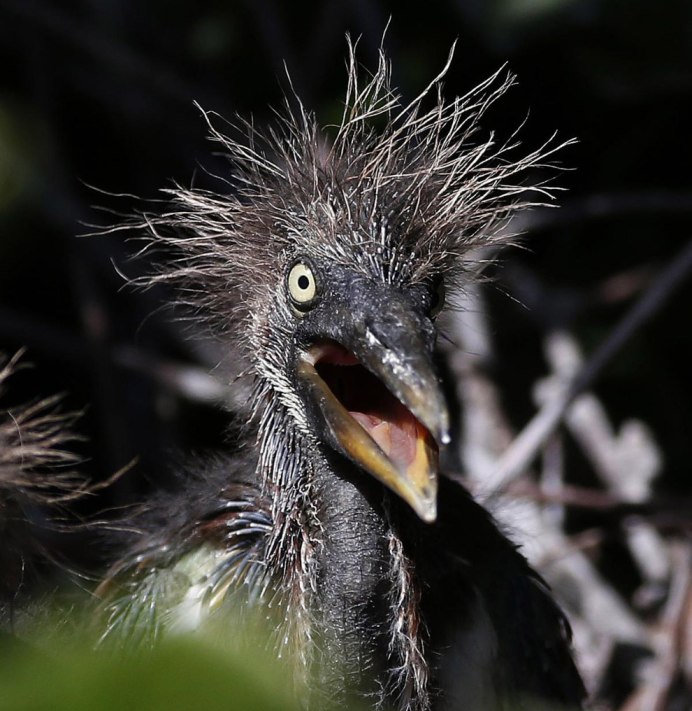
398 438
395 430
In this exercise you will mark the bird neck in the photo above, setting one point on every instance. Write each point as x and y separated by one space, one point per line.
353 578
349 582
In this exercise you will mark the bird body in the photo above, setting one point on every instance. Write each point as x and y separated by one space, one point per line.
324 271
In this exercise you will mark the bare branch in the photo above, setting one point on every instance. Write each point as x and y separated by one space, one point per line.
534 436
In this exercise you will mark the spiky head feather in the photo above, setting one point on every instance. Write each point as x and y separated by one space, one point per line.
403 204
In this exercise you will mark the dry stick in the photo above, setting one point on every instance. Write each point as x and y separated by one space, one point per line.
631 449
667 512
191 382
654 694
603 618
525 447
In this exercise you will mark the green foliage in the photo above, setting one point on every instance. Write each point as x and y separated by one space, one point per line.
180 673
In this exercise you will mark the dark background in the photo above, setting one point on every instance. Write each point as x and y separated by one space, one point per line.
96 99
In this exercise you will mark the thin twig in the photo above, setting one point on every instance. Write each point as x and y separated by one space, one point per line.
660 512
191 382
655 694
526 446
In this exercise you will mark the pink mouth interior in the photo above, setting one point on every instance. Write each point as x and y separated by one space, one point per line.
393 427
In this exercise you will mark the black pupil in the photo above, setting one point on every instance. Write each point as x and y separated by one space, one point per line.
435 301
303 282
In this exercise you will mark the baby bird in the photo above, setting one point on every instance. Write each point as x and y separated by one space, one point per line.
323 272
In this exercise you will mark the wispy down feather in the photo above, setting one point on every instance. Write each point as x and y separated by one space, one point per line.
36 475
35 462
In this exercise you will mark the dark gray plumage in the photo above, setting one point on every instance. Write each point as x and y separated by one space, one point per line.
324 271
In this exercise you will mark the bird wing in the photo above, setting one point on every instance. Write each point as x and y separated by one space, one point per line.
532 634
189 571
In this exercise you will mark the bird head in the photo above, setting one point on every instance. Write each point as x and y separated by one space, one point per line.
329 261
359 360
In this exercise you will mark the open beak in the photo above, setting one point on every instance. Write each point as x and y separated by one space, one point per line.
382 407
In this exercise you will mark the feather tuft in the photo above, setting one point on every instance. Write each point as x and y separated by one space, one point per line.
403 204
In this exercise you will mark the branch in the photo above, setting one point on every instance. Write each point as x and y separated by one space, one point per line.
526 446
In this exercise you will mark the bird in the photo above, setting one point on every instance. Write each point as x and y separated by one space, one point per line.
323 270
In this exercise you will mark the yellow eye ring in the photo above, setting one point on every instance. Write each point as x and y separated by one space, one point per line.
302 286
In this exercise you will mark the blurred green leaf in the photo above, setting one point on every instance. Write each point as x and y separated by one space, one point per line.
180 673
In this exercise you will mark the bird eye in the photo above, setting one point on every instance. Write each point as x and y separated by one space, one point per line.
302 286
437 300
